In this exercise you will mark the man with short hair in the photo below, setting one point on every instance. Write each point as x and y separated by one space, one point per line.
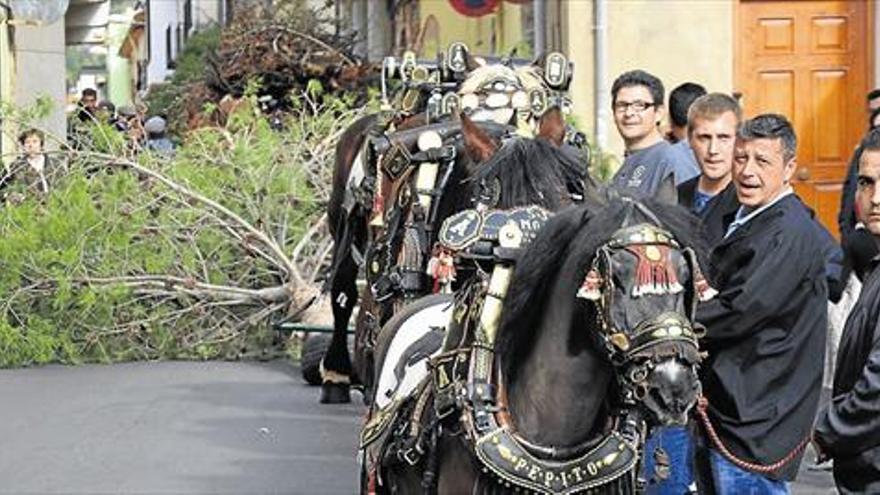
680 100
88 104
766 327
874 100
858 246
712 123
79 124
637 101
848 429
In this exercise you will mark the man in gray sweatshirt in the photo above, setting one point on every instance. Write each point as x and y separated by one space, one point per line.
637 101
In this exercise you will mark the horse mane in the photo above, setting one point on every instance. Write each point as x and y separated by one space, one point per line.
533 171
571 240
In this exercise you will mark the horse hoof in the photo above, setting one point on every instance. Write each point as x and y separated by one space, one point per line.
335 393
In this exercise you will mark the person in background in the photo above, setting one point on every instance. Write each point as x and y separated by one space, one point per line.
637 102
106 113
79 123
874 120
124 115
88 104
848 428
859 249
712 123
157 141
680 100
874 100
33 173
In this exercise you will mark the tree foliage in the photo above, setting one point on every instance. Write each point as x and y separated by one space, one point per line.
139 257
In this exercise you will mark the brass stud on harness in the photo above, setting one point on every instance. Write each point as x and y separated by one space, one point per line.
621 341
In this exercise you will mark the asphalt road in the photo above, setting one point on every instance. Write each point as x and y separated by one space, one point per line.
183 428
172 428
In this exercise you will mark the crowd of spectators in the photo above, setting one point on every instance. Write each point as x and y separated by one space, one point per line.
141 130
35 171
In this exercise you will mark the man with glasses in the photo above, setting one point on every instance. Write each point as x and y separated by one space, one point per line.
637 101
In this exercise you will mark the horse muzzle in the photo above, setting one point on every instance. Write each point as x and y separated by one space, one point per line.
670 391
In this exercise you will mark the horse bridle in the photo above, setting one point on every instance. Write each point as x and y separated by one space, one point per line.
634 351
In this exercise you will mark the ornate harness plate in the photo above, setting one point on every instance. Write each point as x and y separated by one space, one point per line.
509 461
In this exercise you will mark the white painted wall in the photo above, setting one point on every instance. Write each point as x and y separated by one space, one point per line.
207 13
161 14
39 57
164 13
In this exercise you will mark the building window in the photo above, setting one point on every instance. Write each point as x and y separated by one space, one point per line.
169 51
187 18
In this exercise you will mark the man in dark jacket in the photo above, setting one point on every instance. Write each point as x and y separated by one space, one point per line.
766 327
857 244
848 429
712 123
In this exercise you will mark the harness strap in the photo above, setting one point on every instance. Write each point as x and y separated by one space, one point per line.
702 407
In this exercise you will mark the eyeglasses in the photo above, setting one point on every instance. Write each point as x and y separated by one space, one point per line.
637 106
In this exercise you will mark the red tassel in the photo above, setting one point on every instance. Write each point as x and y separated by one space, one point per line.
589 290
654 272
371 483
441 267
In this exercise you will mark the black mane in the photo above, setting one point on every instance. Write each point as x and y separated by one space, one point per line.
571 239
533 171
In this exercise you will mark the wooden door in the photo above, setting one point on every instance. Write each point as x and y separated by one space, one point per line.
809 60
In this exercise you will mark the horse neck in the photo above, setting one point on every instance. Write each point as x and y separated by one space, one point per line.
557 395
457 194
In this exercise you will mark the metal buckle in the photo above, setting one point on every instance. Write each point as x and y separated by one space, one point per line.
409 455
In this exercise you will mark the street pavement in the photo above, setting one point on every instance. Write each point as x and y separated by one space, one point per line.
184 428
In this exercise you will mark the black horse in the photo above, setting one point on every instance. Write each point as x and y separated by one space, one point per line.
596 344
475 143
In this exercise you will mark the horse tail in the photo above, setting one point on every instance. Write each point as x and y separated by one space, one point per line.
349 145
342 245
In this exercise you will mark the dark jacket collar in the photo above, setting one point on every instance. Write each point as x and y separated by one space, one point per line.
774 211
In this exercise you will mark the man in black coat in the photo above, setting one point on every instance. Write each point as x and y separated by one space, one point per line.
712 123
766 327
848 429
857 244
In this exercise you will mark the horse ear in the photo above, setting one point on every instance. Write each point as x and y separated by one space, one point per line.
667 192
552 126
478 144
471 62
593 191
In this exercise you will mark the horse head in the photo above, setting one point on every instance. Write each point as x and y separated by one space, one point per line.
521 170
622 276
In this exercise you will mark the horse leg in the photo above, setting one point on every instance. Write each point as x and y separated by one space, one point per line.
367 328
457 471
336 367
